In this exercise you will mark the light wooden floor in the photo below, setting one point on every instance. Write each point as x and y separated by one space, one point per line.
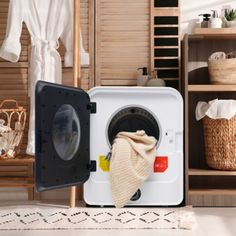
210 222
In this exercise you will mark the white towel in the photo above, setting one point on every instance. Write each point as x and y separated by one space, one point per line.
133 155
217 56
216 109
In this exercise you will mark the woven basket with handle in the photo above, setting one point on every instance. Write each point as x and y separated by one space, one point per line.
220 143
12 125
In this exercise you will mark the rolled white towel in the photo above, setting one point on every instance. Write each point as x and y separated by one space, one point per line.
217 56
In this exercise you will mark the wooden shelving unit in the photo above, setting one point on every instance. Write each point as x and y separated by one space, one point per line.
18 172
204 186
165 40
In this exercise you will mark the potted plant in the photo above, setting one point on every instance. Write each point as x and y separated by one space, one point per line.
230 16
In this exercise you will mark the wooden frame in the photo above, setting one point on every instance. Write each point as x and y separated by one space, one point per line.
76 71
167 42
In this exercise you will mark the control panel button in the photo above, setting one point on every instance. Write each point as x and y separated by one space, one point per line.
104 164
160 164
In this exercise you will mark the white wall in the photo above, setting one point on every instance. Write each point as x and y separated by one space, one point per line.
190 9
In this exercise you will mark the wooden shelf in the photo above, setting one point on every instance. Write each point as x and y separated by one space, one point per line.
212 192
205 172
211 88
14 65
166 47
166 36
166 25
18 160
164 11
16 182
166 57
222 32
16 185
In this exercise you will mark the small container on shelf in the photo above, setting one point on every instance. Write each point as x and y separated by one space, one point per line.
205 20
215 22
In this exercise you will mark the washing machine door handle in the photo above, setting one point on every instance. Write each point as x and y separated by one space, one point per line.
62 128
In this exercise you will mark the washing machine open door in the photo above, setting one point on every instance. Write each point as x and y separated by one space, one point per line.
62 136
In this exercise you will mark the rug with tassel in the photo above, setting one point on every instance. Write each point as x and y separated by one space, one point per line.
36 218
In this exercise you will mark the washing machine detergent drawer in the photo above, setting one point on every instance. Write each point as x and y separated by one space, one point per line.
75 131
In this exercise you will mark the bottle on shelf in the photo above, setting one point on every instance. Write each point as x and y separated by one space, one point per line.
143 79
205 21
215 22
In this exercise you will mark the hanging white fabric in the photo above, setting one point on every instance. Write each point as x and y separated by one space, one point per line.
47 21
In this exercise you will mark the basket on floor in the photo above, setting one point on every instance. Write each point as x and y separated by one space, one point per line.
222 71
220 143
12 125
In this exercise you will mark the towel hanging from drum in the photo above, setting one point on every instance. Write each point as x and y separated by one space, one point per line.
132 159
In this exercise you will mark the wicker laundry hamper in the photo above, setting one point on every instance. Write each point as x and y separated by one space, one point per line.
12 125
222 71
220 143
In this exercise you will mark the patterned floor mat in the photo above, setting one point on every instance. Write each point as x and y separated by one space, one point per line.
21 218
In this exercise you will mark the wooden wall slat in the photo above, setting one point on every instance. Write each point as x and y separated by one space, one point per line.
122 41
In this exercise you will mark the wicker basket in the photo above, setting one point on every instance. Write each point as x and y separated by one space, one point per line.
12 125
222 71
220 143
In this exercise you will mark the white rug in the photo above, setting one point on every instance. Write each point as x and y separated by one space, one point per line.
96 218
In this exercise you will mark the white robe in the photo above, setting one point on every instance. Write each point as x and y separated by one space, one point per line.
47 21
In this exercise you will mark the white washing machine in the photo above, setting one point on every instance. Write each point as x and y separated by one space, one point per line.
75 130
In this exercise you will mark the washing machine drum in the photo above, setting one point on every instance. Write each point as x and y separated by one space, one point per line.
75 131
132 119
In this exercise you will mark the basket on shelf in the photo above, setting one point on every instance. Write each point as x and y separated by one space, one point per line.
222 71
220 143
12 125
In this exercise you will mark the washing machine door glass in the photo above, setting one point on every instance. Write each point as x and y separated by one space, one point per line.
66 132
62 136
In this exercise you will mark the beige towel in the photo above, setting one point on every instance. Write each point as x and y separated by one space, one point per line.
133 155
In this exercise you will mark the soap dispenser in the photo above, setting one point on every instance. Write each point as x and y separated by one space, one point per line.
143 79
215 21
205 21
